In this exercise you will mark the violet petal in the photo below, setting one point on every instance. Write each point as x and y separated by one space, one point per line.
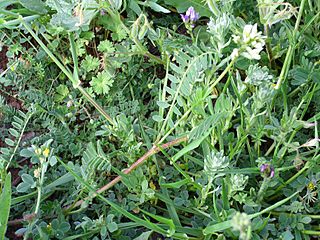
185 18
272 172
263 167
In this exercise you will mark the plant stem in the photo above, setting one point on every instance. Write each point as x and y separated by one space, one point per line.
36 211
162 96
288 59
226 70
10 23
37 208
311 232
96 105
268 46
139 162
303 215
274 206
262 189
19 140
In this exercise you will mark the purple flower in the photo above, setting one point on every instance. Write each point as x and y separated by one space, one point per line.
191 15
194 16
272 172
184 18
267 170
263 167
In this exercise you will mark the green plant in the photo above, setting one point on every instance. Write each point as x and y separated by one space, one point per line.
159 119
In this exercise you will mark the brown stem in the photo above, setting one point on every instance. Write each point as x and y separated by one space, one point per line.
28 217
139 162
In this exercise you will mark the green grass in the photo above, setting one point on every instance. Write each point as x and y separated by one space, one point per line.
119 120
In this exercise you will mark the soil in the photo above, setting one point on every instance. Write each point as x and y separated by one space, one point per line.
3 58
13 102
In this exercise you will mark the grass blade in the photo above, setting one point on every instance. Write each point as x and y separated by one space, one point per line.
5 202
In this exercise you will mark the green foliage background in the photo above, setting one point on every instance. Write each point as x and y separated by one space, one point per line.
121 121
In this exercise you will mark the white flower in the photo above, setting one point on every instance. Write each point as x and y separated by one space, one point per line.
236 38
250 33
251 43
235 53
258 45
42 160
247 35
252 53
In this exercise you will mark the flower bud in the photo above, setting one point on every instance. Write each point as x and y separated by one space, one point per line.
267 170
37 172
37 151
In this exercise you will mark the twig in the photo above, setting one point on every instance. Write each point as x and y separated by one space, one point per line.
139 162
26 218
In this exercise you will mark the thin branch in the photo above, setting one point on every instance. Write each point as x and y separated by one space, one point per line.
26 218
139 162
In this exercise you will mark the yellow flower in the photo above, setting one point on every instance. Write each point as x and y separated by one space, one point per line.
46 152
311 186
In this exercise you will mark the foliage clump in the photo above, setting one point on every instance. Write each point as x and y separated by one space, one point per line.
159 119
